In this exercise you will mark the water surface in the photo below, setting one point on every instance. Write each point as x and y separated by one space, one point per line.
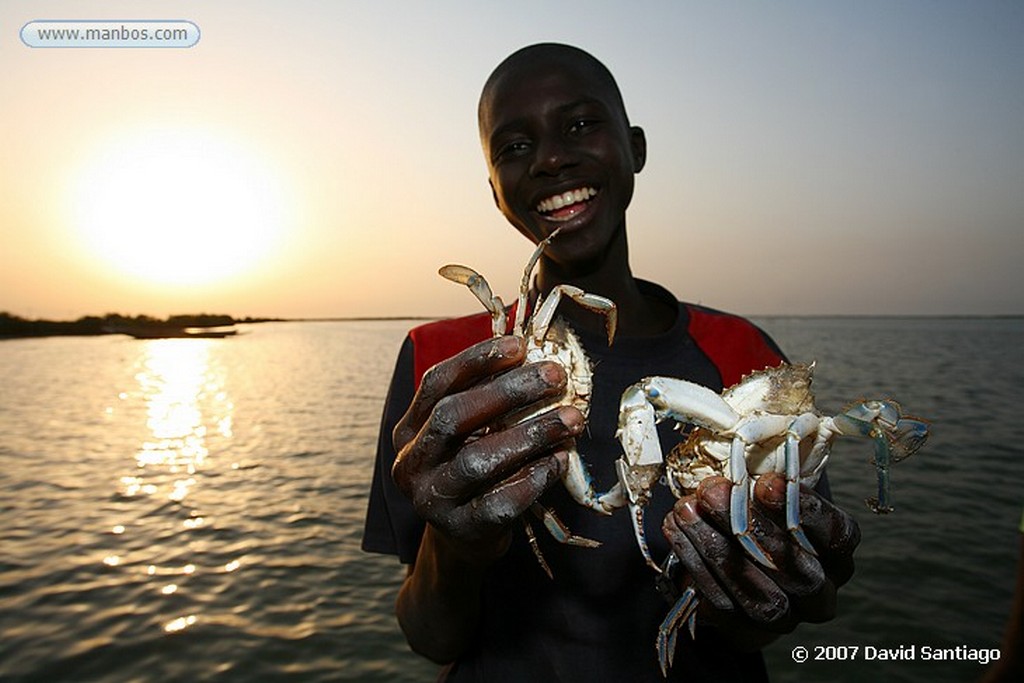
192 509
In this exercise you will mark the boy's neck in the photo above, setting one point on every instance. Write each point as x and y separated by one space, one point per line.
638 314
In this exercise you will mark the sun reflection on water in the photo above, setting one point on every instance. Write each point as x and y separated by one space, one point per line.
185 400
182 410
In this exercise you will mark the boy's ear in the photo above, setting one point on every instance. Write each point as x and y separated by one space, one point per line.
638 147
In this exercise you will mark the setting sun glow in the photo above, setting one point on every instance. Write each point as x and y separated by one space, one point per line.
178 207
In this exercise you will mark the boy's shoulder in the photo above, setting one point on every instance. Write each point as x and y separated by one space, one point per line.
439 340
733 343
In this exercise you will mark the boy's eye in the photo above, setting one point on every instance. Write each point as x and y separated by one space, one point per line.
511 148
581 125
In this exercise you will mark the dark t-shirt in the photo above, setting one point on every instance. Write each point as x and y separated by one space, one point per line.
598 618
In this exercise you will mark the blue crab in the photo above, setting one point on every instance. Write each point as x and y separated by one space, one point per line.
766 423
551 339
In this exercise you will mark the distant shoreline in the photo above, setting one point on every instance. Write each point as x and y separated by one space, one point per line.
142 326
147 327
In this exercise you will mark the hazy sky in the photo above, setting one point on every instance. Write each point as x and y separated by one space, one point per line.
321 158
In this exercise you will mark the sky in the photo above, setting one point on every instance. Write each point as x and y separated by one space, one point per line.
321 158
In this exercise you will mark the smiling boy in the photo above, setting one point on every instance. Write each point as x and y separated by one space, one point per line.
561 154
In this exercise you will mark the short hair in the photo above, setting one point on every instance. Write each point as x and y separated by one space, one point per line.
554 53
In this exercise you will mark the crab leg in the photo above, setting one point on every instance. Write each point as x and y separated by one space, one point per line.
751 430
524 286
800 429
642 463
880 504
637 481
581 487
592 302
685 610
643 405
558 530
464 275
546 309
739 504
911 434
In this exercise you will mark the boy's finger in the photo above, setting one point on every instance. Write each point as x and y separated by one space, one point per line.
494 510
455 374
456 417
834 533
482 463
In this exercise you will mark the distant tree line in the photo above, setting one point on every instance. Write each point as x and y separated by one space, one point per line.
15 326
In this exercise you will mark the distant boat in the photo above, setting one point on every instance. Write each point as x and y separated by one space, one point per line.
158 331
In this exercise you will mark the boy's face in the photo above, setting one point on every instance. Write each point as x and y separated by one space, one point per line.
560 154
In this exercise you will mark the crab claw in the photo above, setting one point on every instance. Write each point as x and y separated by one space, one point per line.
895 437
637 482
908 436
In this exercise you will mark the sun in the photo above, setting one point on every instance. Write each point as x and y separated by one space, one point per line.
179 206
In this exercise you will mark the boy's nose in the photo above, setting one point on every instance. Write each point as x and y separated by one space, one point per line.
551 157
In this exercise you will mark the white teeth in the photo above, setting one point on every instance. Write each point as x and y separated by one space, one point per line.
568 197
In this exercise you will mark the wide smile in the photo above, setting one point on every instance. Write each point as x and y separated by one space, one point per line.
566 205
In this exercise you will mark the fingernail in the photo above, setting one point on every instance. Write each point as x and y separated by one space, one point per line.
686 511
771 491
570 417
551 373
775 484
715 494
505 347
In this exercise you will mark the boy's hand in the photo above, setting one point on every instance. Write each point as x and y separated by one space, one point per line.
466 478
738 593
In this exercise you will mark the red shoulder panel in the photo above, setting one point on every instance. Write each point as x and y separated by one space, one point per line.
440 340
735 345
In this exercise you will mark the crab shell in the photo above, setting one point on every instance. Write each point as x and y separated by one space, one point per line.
561 345
782 390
